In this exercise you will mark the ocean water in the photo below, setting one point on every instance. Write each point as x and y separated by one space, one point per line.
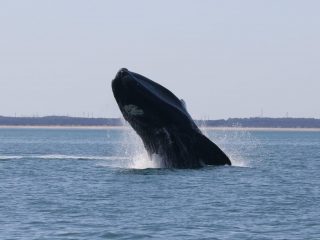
99 184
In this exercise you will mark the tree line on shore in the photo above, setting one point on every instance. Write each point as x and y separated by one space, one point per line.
231 122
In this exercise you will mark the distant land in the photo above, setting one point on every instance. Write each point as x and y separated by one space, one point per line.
254 122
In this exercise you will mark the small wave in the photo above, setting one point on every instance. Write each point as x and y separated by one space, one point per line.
9 157
62 157
78 157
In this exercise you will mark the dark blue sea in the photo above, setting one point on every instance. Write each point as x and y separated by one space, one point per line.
100 184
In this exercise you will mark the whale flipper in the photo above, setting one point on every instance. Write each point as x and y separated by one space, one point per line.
210 153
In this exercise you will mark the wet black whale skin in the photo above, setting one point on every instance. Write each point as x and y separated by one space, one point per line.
163 123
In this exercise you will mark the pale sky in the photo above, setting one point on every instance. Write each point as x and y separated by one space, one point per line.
224 58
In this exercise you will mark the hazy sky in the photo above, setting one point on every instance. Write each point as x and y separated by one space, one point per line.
224 58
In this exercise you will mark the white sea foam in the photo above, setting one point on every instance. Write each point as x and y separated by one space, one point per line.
142 161
78 157
238 162
136 153
62 157
9 157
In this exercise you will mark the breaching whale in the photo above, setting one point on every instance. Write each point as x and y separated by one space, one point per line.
163 123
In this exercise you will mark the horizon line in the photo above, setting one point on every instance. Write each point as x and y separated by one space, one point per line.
198 119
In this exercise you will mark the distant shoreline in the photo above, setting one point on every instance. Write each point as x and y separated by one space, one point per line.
253 124
264 129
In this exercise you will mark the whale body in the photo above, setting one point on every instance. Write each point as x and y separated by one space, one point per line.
163 123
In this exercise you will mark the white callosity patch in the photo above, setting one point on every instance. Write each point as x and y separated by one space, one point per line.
133 110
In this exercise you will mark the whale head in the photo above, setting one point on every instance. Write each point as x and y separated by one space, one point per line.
146 104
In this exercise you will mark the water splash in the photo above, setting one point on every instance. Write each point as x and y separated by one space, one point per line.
237 143
143 161
134 150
